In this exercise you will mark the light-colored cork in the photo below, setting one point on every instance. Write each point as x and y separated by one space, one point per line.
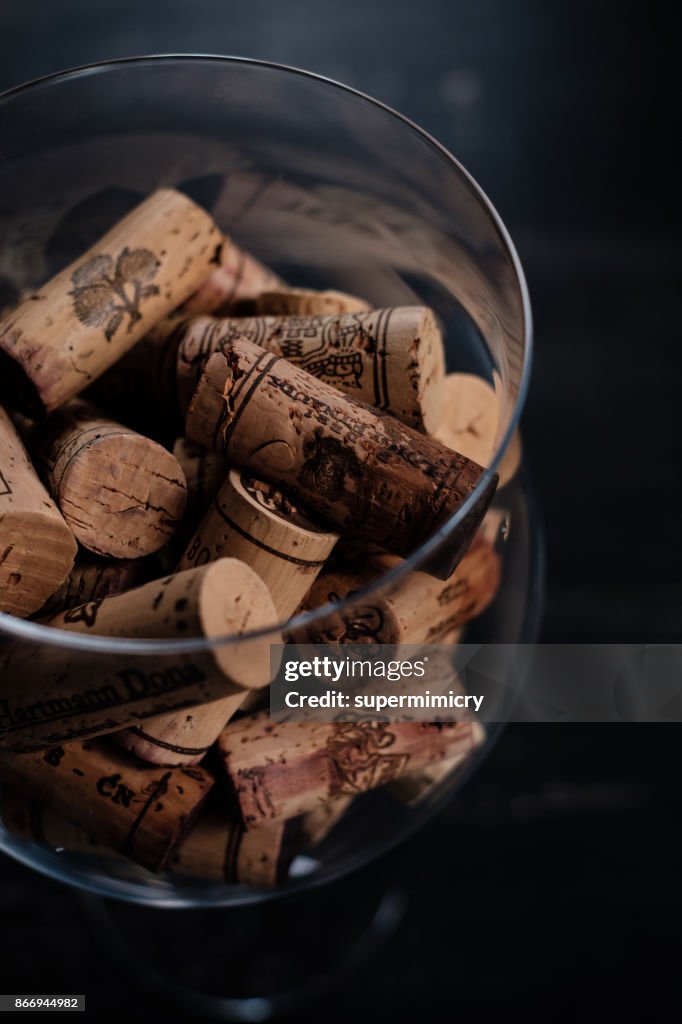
121 493
279 770
37 548
391 359
306 302
255 523
350 464
415 609
54 695
78 324
469 423
141 812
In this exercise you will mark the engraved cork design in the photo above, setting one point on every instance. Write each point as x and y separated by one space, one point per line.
140 811
390 358
281 770
348 463
60 339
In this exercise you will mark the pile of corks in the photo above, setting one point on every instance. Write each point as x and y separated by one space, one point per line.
191 448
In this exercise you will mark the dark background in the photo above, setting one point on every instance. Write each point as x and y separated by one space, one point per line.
559 864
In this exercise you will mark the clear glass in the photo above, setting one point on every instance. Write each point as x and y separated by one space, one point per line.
331 189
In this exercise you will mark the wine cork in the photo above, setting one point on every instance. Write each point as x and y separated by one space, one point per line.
305 302
470 423
238 280
93 579
256 524
391 359
121 493
204 472
79 323
352 465
279 770
220 849
139 811
37 549
416 787
415 609
54 694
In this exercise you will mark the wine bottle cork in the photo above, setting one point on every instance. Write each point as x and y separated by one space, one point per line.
350 464
53 694
416 787
470 423
80 322
255 523
37 548
141 812
237 281
415 609
306 302
279 770
391 359
204 472
93 579
121 493
220 849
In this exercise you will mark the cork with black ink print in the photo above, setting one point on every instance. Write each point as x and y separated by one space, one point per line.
57 694
415 608
37 548
340 459
257 524
65 335
279 770
121 493
141 812
220 849
391 359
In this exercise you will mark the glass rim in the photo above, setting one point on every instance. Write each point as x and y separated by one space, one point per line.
23 629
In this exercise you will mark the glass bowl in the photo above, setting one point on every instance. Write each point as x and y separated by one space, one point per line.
332 190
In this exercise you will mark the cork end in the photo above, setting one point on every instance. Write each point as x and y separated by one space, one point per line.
233 600
470 418
123 495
